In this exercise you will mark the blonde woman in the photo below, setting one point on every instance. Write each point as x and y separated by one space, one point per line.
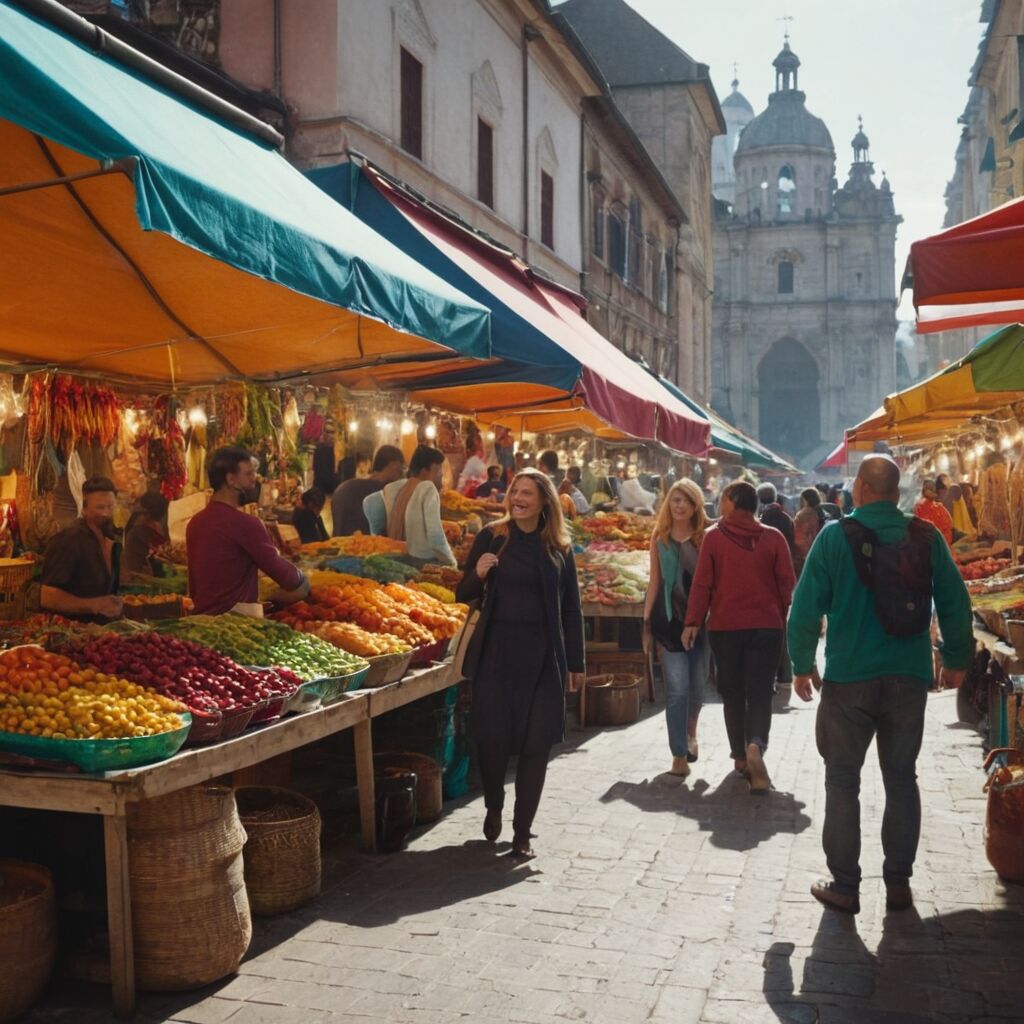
527 650
678 534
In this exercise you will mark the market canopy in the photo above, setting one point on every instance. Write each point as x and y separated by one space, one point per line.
188 250
990 377
554 371
971 274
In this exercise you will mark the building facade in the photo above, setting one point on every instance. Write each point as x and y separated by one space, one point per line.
805 299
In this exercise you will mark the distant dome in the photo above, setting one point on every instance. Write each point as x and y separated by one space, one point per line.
736 100
860 140
787 60
786 122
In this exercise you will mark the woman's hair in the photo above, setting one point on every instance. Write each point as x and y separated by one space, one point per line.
810 497
663 524
552 528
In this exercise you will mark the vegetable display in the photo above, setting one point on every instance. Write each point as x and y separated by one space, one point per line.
357 544
632 530
613 578
354 639
374 567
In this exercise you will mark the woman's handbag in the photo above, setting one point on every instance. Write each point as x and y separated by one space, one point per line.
466 658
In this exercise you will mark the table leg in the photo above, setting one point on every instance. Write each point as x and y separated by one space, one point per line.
364 777
119 913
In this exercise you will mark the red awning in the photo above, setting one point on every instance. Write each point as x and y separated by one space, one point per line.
971 274
614 387
836 459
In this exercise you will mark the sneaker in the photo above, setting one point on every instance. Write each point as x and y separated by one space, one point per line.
898 897
844 902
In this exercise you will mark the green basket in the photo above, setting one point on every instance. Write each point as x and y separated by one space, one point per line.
100 755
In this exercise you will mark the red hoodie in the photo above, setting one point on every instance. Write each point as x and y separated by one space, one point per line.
745 574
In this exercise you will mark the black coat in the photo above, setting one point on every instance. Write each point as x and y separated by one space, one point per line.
519 687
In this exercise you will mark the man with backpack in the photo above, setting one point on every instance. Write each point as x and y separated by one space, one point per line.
875 576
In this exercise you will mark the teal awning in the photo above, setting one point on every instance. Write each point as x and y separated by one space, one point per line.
201 254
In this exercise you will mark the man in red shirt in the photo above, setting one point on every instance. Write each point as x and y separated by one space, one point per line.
227 548
745 577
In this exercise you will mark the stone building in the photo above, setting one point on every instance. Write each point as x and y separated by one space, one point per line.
805 296
669 101
738 114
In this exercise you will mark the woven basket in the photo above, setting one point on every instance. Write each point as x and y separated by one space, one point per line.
612 699
190 912
14 574
429 783
282 855
28 935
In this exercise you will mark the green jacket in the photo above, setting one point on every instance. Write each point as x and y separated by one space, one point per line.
856 646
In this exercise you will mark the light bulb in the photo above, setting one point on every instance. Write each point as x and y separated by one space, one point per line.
712 462
407 427
353 426
943 462
197 416
621 464
526 455
430 431
979 449
489 435
387 424
1006 443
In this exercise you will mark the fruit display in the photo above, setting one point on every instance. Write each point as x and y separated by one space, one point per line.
613 578
264 642
442 575
444 621
983 568
174 581
373 567
357 544
632 530
442 594
49 695
43 629
197 676
354 639
458 504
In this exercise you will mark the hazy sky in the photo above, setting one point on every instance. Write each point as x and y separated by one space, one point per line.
903 64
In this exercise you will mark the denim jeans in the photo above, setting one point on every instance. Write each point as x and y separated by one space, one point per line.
747 660
685 674
850 715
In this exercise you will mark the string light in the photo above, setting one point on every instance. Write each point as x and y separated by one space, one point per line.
353 426
1007 443
430 431
407 427
197 416
979 449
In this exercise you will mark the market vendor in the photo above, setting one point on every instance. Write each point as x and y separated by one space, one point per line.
81 565
306 519
931 510
227 548
146 530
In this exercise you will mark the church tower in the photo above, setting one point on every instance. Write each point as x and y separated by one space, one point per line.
804 307
738 114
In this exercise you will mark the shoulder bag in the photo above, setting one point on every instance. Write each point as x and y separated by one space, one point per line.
466 658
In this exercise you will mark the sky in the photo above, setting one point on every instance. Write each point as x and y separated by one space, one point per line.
902 64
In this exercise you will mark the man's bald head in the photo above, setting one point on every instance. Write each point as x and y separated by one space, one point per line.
878 479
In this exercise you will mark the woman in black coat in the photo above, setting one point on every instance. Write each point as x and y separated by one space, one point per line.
527 650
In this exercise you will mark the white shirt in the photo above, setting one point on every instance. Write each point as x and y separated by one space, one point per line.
632 495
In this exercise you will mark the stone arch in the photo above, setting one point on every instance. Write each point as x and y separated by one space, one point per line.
788 398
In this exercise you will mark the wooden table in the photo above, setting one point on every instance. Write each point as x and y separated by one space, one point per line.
633 610
109 794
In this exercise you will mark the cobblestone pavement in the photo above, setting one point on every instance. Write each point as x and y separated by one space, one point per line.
649 900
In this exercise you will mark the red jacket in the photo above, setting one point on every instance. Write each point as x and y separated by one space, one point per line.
744 574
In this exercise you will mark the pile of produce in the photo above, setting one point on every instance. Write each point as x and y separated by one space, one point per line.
197 676
357 544
442 575
354 639
414 617
174 581
48 695
435 590
632 530
373 567
981 568
613 578
264 642
459 504
43 629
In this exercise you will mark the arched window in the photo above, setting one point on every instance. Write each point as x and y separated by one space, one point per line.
786 187
597 225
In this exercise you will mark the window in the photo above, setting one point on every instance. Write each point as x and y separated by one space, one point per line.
484 162
670 282
786 186
634 265
785 277
617 241
663 283
547 209
412 104
597 227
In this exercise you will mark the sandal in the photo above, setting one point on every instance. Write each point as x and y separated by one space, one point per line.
521 848
492 826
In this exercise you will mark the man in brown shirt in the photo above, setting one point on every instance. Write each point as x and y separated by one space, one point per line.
79 577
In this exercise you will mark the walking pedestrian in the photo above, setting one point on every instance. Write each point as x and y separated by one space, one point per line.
771 513
745 577
675 545
807 524
931 510
878 669
530 647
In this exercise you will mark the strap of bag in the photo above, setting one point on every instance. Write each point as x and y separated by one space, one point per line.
861 540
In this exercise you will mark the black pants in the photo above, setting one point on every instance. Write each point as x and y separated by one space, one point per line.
531 770
747 662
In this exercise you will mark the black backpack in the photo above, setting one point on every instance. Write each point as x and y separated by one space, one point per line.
899 576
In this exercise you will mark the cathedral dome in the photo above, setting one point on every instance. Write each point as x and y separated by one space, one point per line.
786 122
736 101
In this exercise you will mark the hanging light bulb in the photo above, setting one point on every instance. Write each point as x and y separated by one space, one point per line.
1006 443
407 427
979 449
943 462
387 424
430 431
131 421
353 426
489 435
621 464
197 416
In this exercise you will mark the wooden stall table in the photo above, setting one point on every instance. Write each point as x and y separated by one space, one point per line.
109 794
615 613
1006 708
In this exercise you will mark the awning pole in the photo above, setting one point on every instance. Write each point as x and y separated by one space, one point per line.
121 167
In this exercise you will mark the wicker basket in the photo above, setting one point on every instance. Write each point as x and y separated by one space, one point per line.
190 912
429 782
28 935
14 574
282 855
612 699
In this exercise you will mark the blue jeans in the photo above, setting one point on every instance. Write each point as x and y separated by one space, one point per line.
850 715
685 674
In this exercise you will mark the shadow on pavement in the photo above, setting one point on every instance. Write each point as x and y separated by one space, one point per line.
734 819
954 967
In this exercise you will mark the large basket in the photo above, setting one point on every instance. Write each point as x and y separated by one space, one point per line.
14 574
612 699
282 855
429 788
28 935
190 912
387 668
